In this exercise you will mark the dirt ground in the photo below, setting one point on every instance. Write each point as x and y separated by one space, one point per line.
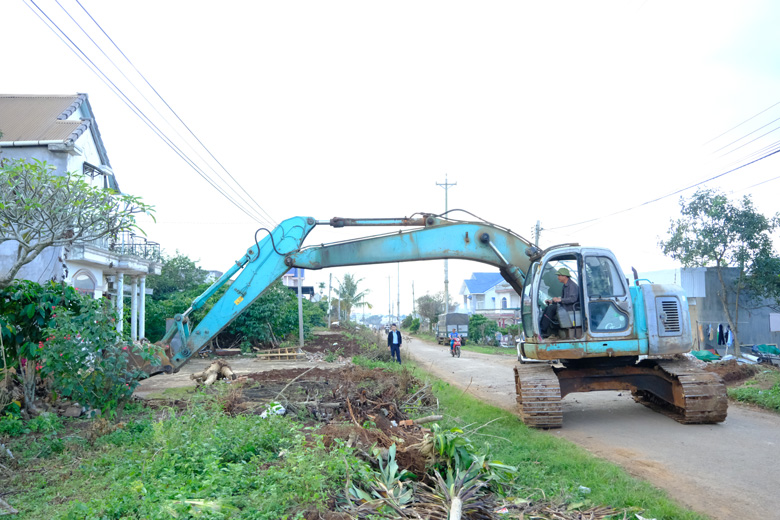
725 470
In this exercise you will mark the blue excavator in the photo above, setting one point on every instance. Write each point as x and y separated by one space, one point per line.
617 336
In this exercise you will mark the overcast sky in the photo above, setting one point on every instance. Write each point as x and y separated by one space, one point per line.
554 111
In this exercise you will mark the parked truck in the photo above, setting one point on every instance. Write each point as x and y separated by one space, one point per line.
453 320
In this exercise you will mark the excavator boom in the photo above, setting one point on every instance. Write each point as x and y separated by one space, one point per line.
282 249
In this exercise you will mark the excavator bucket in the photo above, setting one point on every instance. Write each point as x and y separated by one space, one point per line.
153 368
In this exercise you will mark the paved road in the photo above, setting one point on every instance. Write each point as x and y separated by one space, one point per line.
727 471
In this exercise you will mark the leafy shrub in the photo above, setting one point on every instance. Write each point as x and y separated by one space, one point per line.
481 329
26 309
45 423
415 325
87 361
12 425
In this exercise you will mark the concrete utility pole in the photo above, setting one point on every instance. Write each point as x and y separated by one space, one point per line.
446 185
330 283
389 301
414 310
537 232
398 295
299 272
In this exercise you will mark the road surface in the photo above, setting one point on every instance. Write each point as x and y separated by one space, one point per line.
726 471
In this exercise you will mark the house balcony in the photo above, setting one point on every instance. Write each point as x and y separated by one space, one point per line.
126 253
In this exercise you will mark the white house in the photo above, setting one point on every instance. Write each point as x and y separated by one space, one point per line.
62 131
490 295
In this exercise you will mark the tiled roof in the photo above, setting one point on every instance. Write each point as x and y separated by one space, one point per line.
480 283
41 118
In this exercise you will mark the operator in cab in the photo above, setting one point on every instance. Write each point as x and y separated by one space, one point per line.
569 297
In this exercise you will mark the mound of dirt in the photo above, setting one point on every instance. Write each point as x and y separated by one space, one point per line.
732 372
364 407
334 340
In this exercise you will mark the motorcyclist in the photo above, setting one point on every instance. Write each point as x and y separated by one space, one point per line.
453 335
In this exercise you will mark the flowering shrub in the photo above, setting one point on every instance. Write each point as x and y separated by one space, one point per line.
86 359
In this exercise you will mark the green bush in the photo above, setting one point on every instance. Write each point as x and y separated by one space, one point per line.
481 329
415 326
86 359
26 309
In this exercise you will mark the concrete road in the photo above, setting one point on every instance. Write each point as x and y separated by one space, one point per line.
727 471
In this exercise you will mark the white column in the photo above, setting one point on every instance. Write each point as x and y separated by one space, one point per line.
120 302
134 309
142 310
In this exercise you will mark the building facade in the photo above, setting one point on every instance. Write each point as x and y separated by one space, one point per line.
61 130
758 322
490 295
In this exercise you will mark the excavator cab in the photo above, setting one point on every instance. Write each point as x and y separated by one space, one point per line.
603 312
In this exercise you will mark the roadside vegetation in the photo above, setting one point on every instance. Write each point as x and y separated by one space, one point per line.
762 390
204 459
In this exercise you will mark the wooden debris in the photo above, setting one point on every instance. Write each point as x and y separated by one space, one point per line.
217 370
421 420
6 509
282 354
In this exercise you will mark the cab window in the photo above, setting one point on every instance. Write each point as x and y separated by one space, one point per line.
603 279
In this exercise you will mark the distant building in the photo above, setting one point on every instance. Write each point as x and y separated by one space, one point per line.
295 276
61 130
759 321
490 295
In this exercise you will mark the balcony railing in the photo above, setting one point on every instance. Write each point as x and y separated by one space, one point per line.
130 244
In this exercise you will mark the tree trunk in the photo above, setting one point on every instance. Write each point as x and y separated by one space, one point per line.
725 302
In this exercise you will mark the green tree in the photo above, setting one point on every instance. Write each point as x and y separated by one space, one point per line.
350 296
40 210
429 306
481 329
716 232
179 273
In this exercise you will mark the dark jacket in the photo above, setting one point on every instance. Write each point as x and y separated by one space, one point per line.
390 337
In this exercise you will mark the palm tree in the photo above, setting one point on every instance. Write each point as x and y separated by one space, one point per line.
350 296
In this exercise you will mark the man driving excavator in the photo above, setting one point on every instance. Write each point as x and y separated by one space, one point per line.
569 297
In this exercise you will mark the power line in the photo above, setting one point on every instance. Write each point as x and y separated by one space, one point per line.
73 47
152 105
667 195
742 123
267 215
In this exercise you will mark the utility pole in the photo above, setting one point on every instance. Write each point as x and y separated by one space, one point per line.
330 283
389 302
414 311
446 185
398 295
537 232
299 272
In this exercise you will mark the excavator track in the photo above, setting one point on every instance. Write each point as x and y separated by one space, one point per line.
538 396
699 396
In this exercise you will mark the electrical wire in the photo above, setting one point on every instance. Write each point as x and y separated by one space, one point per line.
126 100
742 123
267 215
667 195
154 108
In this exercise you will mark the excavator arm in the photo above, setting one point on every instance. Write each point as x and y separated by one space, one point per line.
282 249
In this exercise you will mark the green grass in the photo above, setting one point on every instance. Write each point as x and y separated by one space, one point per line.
486 349
556 466
762 390
197 463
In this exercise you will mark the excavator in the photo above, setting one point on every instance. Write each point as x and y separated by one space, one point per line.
618 336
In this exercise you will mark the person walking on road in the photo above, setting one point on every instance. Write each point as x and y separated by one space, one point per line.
394 342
